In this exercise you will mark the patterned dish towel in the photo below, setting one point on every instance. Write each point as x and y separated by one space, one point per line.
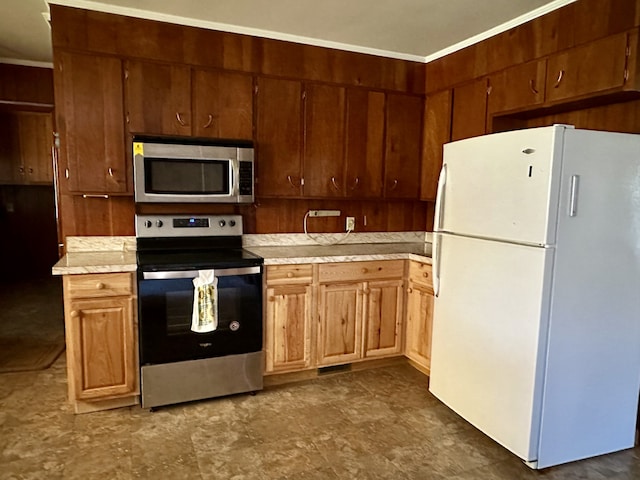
205 302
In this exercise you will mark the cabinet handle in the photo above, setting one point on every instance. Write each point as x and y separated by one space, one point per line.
395 184
209 122
559 79
365 270
333 182
272 298
21 170
291 182
110 171
179 118
355 183
88 195
532 87
100 286
290 275
74 314
366 291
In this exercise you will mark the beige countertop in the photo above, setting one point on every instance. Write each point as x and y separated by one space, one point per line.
92 254
283 255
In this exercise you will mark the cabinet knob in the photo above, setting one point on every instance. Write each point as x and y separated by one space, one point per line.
290 275
365 270
74 314
425 274
367 291
30 170
100 286
272 298
409 290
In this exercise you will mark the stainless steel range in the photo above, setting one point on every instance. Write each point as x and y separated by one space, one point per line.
178 362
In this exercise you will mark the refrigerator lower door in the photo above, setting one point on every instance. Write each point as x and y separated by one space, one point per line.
487 358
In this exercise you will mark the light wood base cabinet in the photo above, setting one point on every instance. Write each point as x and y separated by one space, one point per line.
288 329
419 316
101 335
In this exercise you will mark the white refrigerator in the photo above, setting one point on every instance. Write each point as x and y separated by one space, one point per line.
536 332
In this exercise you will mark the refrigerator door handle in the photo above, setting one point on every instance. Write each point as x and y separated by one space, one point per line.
442 180
436 263
573 198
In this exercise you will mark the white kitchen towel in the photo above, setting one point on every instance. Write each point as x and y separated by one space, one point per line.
205 302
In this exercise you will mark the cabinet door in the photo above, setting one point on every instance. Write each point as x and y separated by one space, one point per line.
437 132
383 314
35 131
288 328
158 98
587 69
9 148
364 143
323 166
419 324
403 146
279 137
518 87
340 336
91 124
469 110
103 345
222 105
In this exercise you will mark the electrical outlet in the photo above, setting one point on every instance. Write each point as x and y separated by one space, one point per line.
324 213
351 223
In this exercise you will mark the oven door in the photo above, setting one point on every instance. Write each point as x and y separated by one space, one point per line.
165 310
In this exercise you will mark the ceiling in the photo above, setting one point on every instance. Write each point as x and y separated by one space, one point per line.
419 30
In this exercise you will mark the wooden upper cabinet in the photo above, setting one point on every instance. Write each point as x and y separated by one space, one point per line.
324 133
403 146
222 105
469 110
437 132
585 70
90 120
518 87
364 143
158 98
279 137
26 148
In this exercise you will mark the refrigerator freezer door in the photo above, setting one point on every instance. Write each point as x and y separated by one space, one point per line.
504 186
488 335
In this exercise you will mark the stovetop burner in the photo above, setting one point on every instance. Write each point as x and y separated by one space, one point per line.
191 242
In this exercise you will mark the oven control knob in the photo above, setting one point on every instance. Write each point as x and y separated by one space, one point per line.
222 223
159 223
234 326
147 223
232 223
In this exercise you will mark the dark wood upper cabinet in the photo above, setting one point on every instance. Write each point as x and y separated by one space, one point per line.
323 166
437 132
158 98
588 69
90 121
403 146
364 143
222 104
469 110
518 87
279 137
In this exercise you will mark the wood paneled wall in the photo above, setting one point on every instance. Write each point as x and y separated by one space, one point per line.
31 85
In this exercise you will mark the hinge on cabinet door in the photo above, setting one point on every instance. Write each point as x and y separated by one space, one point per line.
56 139
626 75
301 182
126 74
489 87
127 118
304 94
255 90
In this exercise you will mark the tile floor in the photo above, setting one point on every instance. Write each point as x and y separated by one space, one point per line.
372 424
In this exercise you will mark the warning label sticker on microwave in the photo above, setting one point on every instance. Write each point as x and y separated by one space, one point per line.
138 149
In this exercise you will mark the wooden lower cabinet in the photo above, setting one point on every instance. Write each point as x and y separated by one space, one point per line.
102 346
288 326
419 317
359 319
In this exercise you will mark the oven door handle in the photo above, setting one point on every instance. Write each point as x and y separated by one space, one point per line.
222 272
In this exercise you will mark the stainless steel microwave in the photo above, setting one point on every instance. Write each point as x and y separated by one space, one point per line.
192 171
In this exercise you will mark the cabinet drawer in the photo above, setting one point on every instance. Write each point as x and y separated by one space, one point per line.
420 273
360 271
287 274
98 285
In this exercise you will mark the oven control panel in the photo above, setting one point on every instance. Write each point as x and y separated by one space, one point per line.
188 225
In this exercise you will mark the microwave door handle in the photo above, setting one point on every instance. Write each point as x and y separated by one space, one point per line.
222 272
